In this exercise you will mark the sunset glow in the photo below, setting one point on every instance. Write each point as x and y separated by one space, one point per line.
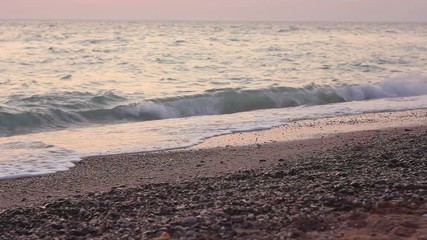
282 10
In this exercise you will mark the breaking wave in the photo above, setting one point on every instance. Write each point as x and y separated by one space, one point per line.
212 102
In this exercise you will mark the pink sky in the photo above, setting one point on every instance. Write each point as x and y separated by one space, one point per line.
284 10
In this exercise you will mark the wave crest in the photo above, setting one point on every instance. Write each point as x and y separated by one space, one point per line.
212 102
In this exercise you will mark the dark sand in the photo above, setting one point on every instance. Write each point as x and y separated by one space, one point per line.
368 184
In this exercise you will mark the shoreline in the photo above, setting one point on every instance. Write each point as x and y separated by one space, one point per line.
60 151
318 128
170 166
372 165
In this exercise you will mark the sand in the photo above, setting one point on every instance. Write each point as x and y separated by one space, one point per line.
378 161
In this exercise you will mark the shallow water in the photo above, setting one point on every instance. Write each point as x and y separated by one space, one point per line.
139 86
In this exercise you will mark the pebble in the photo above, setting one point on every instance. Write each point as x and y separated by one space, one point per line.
189 221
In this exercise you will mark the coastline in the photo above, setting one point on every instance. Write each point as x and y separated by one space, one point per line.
320 128
253 154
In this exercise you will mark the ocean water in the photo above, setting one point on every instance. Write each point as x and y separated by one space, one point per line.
70 89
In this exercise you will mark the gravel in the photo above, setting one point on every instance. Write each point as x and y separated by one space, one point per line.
382 174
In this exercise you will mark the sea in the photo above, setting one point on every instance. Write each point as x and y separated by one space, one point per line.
71 89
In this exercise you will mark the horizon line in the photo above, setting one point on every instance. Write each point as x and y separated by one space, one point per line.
210 20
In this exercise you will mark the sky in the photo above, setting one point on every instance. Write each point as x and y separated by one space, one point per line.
225 10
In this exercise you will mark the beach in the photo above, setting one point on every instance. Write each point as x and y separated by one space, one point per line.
135 129
352 177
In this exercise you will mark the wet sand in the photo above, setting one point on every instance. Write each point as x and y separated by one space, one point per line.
335 178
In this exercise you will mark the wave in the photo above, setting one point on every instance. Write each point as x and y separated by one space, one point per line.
212 102
68 100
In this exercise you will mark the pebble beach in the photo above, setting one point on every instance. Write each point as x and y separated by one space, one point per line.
362 184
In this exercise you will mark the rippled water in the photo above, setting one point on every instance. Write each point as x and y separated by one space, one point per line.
59 79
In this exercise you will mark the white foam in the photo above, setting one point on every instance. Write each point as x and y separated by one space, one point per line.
175 107
236 100
27 159
156 110
402 86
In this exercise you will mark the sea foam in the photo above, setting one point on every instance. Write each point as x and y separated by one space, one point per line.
27 159
402 86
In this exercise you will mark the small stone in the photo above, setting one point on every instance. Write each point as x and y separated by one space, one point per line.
149 232
82 211
195 198
215 227
251 216
179 229
57 226
355 184
190 233
189 221
292 172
